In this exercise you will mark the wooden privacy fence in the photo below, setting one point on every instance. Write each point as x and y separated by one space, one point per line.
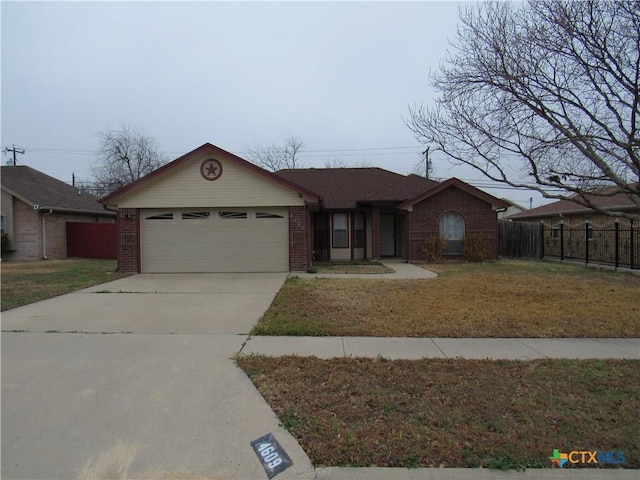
520 239
92 240
616 245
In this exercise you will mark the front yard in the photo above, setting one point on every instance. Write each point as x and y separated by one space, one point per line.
28 282
452 413
500 299
456 412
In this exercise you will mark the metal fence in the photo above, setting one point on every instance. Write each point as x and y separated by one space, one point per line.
615 245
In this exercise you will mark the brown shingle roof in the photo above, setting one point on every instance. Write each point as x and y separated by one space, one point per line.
400 190
37 188
341 187
613 201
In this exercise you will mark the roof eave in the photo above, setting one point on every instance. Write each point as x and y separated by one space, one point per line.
577 211
22 198
105 212
496 203
208 146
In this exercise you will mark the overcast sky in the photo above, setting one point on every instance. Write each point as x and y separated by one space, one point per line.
338 76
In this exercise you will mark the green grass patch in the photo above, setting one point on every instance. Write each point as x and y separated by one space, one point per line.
29 282
495 299
452 413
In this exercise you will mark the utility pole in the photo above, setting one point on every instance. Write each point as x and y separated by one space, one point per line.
14 150
426 161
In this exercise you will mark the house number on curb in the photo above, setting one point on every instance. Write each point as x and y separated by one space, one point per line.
272 456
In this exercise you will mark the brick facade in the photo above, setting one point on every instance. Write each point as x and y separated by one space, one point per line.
129 240
26 241
375 234
299 239
423 221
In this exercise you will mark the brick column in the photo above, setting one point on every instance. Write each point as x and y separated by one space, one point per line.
129 240
375 234
299 239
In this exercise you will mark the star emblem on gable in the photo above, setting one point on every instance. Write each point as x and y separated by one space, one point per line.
211 169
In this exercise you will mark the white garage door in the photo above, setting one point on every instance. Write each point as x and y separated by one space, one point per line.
215 240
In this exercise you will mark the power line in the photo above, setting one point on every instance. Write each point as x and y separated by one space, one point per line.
75 151
14 150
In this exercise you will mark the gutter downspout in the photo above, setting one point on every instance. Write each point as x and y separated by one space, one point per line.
44 235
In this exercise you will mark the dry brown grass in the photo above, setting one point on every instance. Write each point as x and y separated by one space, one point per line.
504 299
28 282
453 413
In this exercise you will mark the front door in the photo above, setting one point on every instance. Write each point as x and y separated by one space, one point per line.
321 236
387 235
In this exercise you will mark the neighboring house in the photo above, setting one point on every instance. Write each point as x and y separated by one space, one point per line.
211 211
586 233
512 209
35 210
573 215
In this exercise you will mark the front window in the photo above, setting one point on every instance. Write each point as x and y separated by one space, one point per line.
555 227
588 220
452 228
340 222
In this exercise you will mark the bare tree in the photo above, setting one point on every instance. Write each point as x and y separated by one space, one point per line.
336 163
542 95
275 157
124 156
342 163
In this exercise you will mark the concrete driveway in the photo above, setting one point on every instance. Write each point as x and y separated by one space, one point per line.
174 303
165 398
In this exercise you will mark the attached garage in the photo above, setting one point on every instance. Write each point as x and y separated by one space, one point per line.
211 211
215 240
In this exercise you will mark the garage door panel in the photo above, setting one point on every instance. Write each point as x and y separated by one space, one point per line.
215 240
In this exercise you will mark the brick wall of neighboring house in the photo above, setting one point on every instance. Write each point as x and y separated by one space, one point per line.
423 221
574 234
299 239
599 220
56 230
129 240
27 232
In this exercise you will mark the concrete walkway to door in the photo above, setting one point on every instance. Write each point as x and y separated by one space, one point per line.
402 271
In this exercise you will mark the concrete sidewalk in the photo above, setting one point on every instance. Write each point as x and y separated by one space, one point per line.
472 348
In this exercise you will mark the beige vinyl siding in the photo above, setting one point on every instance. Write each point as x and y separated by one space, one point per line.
184 186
